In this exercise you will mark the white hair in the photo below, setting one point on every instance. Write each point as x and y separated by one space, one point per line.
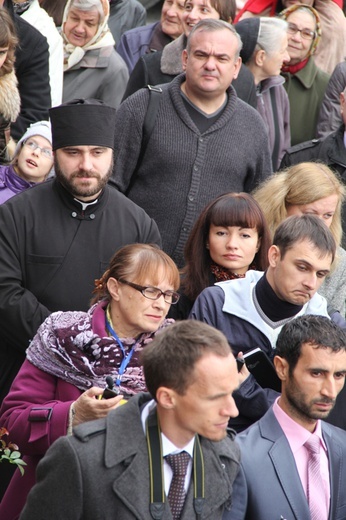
270 34
89 5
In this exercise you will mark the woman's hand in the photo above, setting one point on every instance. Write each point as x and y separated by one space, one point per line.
89 407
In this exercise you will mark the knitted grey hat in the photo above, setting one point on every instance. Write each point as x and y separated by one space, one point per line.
248 30
41 128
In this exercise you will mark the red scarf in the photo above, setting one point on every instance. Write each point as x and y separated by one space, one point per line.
293 69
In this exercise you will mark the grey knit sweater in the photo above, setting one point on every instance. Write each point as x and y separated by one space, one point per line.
183 170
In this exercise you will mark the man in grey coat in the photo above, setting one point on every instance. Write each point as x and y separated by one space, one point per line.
280 478
121 467
204 141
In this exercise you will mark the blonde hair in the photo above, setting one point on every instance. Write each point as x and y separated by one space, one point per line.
300 184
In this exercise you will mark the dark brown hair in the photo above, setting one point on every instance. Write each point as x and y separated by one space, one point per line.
230 209
169 360
225 8
297 228
8 38
136 263
319 331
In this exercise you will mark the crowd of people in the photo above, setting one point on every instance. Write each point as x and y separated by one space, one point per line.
172 262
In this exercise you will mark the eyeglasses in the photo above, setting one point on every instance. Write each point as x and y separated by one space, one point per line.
154 293
46 152
305 33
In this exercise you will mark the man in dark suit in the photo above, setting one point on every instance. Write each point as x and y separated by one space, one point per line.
105 469
275 479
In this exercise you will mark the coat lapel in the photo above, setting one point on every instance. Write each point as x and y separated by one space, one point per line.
129 453
335 468
285 467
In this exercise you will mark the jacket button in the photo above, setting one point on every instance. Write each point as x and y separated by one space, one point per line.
92 216
74 214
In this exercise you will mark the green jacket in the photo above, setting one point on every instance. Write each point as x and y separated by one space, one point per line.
305 91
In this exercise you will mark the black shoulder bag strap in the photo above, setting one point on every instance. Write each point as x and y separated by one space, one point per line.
157 493
275 154
148 126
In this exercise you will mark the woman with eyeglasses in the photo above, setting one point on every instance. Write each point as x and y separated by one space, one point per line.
32 161
61 383
305 82
332 47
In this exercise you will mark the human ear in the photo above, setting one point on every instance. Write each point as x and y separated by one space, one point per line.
281 367
237 65
273 256
165 397
260 58
184 58
113 288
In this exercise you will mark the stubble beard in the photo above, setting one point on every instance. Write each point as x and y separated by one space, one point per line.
80 190
303 409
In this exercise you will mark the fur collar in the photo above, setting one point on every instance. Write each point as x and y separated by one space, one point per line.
9 97
171 56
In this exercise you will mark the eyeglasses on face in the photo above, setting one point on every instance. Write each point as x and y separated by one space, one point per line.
154 293
305 33
46 152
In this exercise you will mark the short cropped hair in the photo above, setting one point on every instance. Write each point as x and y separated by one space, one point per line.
169 360
306 227
319 331
211 25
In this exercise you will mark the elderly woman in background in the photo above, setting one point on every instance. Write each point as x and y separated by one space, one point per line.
305 82
64 375
92 68
264 52
153 37
309 188
229 237
332 48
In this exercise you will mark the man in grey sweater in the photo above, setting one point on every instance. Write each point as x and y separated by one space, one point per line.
204 142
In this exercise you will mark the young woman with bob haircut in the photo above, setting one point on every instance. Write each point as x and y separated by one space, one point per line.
229 237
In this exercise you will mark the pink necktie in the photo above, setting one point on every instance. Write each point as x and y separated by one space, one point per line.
176 495
315 490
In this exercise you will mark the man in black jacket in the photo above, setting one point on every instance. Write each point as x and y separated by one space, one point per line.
32 72
58 237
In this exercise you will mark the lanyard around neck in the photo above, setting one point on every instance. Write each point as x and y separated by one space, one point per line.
157 493
126 357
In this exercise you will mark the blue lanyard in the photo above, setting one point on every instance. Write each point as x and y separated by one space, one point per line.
126 358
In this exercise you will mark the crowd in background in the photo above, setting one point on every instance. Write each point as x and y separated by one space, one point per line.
215 178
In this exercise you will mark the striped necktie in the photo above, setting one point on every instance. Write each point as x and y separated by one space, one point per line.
315 490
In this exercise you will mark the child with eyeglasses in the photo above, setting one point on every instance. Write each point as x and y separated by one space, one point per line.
32 161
